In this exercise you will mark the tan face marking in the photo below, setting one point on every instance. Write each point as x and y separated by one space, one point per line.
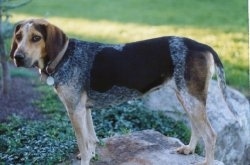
31 44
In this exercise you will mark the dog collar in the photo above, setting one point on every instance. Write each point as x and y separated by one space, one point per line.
51 66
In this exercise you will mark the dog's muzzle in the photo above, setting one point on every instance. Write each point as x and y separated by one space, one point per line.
19 59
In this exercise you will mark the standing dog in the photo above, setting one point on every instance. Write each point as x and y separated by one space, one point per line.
86 74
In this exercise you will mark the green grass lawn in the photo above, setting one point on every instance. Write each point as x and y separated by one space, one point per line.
218 23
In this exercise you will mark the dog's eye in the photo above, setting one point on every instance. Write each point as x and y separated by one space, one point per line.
36 38
19 37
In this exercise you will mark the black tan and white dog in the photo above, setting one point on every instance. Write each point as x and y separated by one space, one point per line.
86 74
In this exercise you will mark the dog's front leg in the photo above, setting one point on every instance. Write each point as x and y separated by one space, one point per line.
90 127
86 139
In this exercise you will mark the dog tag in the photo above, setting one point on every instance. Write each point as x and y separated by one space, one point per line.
50 81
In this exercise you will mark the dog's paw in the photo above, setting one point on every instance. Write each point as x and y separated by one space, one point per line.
185 150
78 156
202 163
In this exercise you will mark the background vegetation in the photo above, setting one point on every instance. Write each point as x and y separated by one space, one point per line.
219 23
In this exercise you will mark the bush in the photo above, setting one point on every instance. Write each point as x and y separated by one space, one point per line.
51 140
30 142
133 116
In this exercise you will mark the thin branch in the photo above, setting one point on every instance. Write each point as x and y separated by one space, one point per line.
12 5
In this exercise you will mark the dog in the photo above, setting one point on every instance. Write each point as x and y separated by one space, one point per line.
86 74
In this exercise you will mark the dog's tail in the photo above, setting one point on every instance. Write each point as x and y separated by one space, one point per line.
222 81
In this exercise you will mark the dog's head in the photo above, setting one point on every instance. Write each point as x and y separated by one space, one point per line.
36 42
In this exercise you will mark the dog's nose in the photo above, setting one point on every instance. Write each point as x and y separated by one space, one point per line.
19 56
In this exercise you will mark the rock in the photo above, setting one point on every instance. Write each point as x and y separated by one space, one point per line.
143 148
233 142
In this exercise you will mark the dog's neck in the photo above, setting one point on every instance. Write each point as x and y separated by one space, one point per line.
50 67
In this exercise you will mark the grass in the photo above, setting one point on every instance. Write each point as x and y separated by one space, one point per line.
208 13
219 23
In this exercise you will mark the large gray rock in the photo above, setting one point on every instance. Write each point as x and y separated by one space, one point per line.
233 134
142 148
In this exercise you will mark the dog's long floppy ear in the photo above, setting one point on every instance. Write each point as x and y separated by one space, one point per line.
55 41
14 44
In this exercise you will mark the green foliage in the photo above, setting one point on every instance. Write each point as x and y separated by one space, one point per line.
51 140
133 116
47 141
5 6
36 142
7 29
50 103
22 72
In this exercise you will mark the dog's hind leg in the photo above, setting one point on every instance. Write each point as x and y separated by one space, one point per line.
209 137
201 127
195 136
192 80
190 148
201 122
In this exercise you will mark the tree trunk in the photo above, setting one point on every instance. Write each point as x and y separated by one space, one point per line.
5 70
4 62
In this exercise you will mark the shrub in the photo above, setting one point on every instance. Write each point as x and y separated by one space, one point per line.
133 116
51 140
35 142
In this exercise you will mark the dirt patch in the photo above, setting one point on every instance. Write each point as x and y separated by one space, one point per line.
20 100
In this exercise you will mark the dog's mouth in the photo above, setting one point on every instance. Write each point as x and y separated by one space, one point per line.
35 65
19 63
24 62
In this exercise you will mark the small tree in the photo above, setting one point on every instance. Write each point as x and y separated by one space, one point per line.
6 29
